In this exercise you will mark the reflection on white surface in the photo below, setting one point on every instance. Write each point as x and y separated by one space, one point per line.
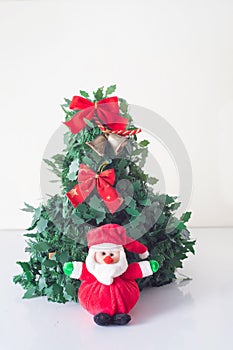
193 315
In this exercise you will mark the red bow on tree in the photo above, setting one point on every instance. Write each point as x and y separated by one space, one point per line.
106 109
103 181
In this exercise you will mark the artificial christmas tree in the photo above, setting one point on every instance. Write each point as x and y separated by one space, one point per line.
102 142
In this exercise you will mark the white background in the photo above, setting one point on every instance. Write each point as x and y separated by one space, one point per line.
173 57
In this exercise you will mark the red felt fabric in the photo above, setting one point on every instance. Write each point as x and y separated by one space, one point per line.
107 110
118 297
111 233
135 247
116 234
77 123
79 102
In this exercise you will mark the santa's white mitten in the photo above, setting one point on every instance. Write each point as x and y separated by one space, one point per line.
144 255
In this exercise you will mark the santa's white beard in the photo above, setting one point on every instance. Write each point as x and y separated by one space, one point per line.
105 273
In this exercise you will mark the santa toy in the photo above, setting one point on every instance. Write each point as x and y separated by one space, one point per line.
108 289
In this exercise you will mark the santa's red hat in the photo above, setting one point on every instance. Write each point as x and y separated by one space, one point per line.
110 235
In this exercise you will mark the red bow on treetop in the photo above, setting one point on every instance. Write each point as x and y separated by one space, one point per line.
103 181
106 109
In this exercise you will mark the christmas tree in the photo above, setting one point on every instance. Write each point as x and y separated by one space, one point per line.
102 140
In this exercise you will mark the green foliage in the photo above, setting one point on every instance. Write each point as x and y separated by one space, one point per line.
56 164
110 90
144 143
186 216
98 95
58 227
84 94
28 208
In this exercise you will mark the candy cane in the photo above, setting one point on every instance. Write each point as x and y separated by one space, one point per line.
118 132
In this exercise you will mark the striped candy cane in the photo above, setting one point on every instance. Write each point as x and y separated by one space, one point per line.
118 132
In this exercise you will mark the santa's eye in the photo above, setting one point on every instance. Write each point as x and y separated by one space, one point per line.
111 254
103 253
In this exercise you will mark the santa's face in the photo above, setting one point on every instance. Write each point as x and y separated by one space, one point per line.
107 256
106 263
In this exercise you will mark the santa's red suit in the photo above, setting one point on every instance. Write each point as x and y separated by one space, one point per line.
108 289
118 297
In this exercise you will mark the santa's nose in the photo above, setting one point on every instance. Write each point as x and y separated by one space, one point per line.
108 259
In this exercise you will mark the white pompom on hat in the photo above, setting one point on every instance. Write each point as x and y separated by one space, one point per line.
111 236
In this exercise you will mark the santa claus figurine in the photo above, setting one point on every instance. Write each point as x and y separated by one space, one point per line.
108 289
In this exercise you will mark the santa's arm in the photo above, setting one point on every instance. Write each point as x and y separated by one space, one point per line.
141 269
74 269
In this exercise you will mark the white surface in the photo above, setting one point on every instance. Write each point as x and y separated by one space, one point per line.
174 57
195 315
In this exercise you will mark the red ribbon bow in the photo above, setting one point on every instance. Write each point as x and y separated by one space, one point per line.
107 110
88 180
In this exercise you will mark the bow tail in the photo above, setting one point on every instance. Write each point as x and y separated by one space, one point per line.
109 195
75 196
80 192
112 120
76 124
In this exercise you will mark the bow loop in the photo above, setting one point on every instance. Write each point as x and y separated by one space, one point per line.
107 176
79 102
85 173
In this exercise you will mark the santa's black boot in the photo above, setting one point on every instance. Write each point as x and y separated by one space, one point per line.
121 319
103 319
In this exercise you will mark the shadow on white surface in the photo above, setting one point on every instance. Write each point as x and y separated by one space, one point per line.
158 301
